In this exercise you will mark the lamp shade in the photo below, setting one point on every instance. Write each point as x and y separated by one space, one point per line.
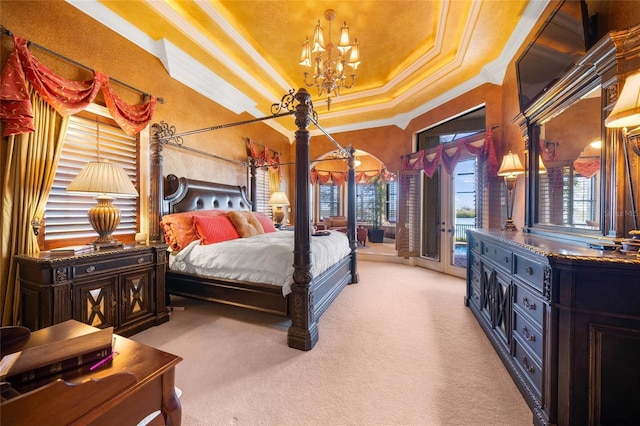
103 178
541 167
626 111
511 166
278 198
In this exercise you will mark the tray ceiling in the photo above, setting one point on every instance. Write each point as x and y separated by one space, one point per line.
244 54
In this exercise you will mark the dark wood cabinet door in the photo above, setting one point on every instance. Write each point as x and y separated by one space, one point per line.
94 301
136 296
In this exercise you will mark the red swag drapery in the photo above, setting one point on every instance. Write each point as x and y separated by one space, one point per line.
587 168
440 156
265 157
65 96
339 178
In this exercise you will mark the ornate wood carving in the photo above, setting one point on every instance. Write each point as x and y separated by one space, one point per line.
303 333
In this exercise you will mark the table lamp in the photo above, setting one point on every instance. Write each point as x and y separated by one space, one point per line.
626 114
109 181
277 200
511 168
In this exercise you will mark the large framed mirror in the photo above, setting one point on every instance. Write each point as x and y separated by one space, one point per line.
577 182
567 149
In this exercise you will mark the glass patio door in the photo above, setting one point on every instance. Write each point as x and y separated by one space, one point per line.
448 209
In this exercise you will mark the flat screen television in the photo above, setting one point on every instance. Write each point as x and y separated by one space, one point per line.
562 40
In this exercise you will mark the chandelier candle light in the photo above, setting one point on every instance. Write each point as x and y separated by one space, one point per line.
330 71
511 168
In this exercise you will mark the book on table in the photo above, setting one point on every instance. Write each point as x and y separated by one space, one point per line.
55 349
71 250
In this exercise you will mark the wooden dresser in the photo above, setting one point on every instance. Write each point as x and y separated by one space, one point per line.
565 319
123 288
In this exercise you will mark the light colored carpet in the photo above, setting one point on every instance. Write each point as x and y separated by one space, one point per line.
399 348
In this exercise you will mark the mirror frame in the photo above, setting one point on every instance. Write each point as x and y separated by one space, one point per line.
609 61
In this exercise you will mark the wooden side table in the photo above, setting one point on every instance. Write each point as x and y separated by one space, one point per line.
123 288
136 382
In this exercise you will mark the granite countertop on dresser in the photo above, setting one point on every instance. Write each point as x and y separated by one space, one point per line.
561 250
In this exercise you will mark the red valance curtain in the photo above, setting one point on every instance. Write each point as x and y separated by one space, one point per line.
65 96
587 168
265 158
431 159
338 178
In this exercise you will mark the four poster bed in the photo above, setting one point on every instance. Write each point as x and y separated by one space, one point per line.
313 286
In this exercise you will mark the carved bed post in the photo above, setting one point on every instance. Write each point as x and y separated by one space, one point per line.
156 187
303 332
351 215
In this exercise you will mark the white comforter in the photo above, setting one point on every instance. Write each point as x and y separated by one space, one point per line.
265 258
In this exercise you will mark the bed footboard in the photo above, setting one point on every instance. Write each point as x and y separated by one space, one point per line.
261 297
327 286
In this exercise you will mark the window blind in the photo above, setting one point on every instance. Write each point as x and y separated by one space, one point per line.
262 191
329 200
392 201
365 202
66 212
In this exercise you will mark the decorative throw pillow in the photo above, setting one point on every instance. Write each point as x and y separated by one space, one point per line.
179 231
266 222
178 227
246 223
214 229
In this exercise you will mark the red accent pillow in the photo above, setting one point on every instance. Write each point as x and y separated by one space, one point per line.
265 221
214 229
179 230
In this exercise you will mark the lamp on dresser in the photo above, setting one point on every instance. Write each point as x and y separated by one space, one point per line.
626 114
510 169
278 200
109 181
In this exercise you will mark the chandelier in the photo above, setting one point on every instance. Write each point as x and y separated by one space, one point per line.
330 62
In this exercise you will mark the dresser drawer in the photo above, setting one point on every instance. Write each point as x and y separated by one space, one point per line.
501 256
530 271
474 259
528 303
473 243
530 368
474 287
475 277
100 265
528 333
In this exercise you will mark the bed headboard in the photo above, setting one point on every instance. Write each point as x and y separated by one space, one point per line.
184 195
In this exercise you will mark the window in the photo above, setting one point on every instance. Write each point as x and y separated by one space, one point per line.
575 195
329 200
392 198
262 191
365 201
66 213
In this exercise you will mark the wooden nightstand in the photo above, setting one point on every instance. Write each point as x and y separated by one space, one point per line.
123 288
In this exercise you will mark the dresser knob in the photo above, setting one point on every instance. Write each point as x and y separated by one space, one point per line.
506 259
91 269
529 270
526 304
529 337
141 260
527 367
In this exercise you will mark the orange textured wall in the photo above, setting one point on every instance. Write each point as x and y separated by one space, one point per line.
61 28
